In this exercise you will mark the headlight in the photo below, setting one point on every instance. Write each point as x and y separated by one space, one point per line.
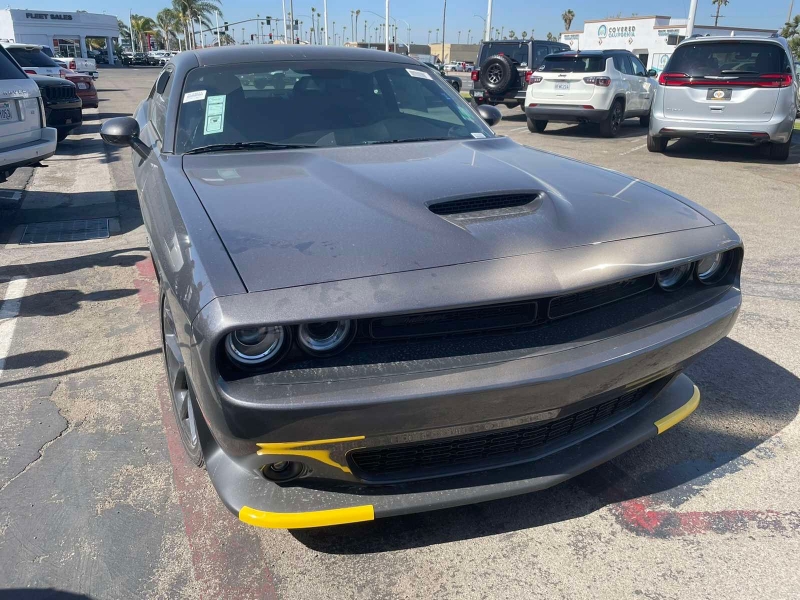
712 268
257 345
326 338
672 279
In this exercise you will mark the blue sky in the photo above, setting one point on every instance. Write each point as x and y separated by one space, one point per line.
423 15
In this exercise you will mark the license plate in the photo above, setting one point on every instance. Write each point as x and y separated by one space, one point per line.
6 114
562 86
479 94
719 94
83 86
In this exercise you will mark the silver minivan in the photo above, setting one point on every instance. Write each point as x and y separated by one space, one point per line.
24 137
738 90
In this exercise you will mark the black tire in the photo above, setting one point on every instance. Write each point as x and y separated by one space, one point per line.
61 135
456 86
536 126
656 144
187 416
780 151
644 121
610 126
498 74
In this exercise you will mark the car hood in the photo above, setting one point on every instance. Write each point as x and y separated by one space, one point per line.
299 217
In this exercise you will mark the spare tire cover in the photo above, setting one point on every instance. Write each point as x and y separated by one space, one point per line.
498 73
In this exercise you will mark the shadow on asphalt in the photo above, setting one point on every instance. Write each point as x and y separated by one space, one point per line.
36 358
49 268
61 302
40 594
700 150
746 400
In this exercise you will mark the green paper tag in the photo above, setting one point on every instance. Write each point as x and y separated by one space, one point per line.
215 115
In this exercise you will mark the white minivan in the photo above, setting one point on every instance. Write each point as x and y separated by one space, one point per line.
24 138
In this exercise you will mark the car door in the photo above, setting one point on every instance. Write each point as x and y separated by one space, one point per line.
645 84
628 83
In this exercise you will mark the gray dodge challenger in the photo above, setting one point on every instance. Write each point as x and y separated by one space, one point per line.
373 305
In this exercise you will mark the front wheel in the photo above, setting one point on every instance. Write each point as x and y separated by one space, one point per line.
609 127
656 144
187 415
536 125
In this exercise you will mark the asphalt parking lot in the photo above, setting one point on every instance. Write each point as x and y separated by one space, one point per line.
98 500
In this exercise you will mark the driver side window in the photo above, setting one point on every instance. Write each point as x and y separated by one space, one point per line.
638 67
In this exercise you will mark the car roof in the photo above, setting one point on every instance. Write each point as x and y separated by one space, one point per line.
25 46
594 52
269 52
706 39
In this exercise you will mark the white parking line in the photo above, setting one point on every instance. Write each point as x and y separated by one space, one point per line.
633 150
9 310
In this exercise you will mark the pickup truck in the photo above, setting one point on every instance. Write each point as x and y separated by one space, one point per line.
74 63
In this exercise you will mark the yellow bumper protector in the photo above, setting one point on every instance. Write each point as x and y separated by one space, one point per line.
676 416
317 518
296 449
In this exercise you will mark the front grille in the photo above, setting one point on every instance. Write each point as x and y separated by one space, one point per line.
575 303
418 459
482 203
59 93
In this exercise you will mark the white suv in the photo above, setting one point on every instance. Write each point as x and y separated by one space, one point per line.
24 138
604 87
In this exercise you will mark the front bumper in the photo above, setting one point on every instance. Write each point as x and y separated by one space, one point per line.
266 504
483 97
64 116
561 113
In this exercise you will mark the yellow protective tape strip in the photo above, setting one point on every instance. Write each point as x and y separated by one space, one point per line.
676 416
323 456
317 518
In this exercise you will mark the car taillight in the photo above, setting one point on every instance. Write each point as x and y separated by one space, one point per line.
30 71
475 75
72 65
601 81
531 78
768 80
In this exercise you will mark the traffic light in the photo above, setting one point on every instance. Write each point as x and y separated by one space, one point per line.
268 20
297 40
226 26
270 35
252 37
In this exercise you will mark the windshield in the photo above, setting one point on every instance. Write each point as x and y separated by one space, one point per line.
31 58
728 58
574 64
321 103
516 52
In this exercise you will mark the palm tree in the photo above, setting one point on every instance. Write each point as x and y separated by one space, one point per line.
437 35
511 34
196 10
791 28
355 31
124 32
142 27
551 37
167 21
524 34
720 4
567 16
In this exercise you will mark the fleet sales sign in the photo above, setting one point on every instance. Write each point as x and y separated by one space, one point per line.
53 16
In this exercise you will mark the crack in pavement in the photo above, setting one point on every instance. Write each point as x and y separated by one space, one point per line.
69 427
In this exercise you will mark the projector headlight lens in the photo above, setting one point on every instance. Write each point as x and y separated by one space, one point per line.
257 345
325 338
672 279
713 268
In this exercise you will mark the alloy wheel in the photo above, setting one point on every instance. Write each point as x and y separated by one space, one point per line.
494 74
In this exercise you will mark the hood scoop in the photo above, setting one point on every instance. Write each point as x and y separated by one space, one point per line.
480 208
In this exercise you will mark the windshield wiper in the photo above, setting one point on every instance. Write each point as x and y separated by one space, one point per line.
737 72
421 139
246 146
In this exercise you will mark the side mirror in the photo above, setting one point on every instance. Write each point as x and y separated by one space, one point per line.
652 73
490 114
124 131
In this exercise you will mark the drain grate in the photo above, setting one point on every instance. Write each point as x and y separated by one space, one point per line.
65 231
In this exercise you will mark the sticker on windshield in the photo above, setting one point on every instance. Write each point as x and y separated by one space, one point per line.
420 74
215 115
478 135
194 96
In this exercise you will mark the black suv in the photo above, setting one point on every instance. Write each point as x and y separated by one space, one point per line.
505 66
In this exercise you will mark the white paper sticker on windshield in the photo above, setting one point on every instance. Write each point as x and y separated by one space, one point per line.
420 74
194 96
215 115
478 135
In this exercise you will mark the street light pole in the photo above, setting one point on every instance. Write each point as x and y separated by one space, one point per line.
488 34
219 37
283 6
690 20
387 26
444 22
325 10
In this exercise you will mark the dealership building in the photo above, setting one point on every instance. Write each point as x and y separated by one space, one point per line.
65 32
652 38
